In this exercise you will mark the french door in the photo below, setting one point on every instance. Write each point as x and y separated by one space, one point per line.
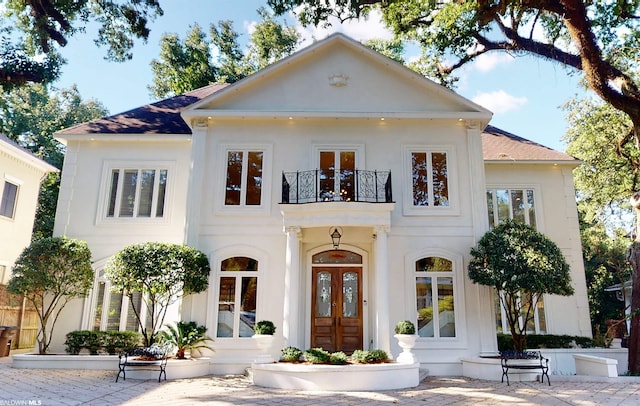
336 321
337 175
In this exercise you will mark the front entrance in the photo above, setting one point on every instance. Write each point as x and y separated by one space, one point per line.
336 309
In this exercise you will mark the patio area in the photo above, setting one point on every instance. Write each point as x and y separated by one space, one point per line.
73 387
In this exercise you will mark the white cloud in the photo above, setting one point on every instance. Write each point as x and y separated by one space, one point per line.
486 62
360 30
499 101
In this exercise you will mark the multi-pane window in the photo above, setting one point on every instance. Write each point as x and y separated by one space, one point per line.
9 197
536 322
434 283
244 178
237 297
138 193
430 179
337 175
516 204
114 311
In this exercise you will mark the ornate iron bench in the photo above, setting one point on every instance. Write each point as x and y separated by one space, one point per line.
517 360
154 358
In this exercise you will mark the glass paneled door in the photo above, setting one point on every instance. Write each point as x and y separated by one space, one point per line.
336 322
337 175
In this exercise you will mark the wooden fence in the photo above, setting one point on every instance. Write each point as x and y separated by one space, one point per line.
15 311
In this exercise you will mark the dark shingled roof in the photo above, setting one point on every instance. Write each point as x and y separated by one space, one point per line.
163 117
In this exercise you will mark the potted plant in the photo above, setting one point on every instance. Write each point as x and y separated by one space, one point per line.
185 336
406 335
263 336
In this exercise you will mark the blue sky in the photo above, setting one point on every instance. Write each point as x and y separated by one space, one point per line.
525 93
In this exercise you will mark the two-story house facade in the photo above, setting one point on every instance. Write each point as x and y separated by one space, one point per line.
335 192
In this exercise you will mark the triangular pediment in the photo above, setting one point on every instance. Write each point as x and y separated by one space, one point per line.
337 77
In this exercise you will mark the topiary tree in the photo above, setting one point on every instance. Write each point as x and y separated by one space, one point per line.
521 264
162 273
49 273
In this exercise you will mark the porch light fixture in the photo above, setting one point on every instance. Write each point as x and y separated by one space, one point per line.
335 237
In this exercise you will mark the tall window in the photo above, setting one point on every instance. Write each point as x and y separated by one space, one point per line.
516 204
244 178
9 197
519 205
337 175
430 178
237 297
138 193
435 303
114 311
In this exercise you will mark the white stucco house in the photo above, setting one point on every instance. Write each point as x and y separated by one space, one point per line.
20 175
259 173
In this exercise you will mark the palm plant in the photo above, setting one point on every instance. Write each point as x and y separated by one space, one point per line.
185 336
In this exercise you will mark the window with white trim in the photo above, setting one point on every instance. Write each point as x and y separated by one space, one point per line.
243 185
516 204
137 192
430 178
9 198
114 311
237 297
536 323
435 304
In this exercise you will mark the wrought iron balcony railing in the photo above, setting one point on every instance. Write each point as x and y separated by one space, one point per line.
330 186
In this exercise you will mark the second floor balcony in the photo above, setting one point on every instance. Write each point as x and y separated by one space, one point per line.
320 185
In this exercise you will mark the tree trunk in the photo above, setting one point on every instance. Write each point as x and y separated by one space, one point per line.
634 259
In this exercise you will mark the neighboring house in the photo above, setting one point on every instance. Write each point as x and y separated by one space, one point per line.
258 174
20 176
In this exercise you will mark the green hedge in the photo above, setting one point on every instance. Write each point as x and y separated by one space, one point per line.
110 342
505 341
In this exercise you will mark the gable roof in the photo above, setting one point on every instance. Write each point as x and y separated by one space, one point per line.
12 148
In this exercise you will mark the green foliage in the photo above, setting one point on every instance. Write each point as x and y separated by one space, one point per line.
185 336
162 273
111 342
505 341
405 327
523 264
338 358
264 327
189 64
316 356
49 273
369 357
291 354
608 176
30 115
34 28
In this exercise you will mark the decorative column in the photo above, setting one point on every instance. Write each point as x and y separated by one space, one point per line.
291 315
483 294
196 177
383 331
193 203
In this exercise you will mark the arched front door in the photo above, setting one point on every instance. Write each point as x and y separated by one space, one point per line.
336 308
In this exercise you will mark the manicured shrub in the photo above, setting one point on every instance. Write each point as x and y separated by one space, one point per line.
405 327
265 327
96 342
505 341
291 354
316 356
369 357
338 358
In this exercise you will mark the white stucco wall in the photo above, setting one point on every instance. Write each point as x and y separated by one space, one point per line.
25 171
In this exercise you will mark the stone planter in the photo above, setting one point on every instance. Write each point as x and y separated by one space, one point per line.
406 342
264 343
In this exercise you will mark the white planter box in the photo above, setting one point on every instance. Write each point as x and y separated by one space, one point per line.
595 366
337 377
